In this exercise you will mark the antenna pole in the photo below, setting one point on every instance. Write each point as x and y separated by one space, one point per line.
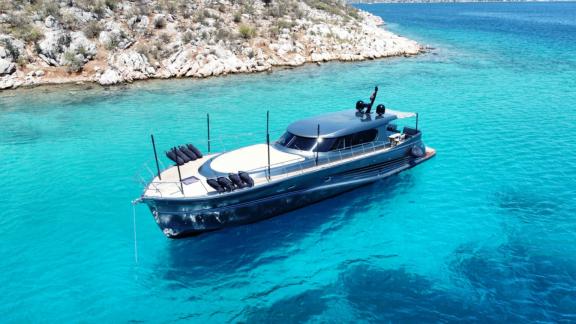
179 174
268 140
317 143
208 126
372 99
155 156
416 121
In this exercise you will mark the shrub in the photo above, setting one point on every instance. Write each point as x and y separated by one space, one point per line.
113 42
27 32
222 34
247 31
72 62
165 38
187 37
69 21
237 17
159 22
143 49
279 10
22 61
50 8
111 4
92 29
281 23
33 35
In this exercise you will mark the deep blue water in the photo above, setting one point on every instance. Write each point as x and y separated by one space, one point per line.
485 231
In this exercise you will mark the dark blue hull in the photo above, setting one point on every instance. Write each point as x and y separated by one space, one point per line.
188 216
185 217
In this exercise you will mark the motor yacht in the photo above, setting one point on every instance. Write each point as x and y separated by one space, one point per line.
316 158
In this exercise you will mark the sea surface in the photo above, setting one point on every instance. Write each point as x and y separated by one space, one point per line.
484 232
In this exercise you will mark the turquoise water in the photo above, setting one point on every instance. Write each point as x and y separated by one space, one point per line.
483 232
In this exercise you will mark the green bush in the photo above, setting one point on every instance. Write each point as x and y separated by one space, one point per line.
92 29
73 63
50 8
237 17
111 4
159 22
187 37
222 34
113 43
165 38
26 31
247 31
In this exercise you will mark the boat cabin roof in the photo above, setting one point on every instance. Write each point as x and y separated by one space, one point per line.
342 123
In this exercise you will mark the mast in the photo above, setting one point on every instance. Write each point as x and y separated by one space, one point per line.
179 174
317 143
156 156
268 140
372 99
208 126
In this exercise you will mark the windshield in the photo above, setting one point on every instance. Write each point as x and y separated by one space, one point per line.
292 141
301 143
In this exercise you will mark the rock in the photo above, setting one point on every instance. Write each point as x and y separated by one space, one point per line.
7 42
7 67
131 65
139 23
179 63
50 22
81 16
39 73
53 45
6 83
109 77
81 45
115 35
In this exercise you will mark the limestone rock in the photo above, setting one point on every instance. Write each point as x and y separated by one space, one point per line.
81 45
50 22
131 65
7 67
109 77
53 45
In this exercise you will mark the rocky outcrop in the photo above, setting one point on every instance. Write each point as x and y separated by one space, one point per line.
6 67
129 41
110 77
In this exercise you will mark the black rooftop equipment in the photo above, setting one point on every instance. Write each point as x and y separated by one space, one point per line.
360 105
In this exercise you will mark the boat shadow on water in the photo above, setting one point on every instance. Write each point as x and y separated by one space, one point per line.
240 249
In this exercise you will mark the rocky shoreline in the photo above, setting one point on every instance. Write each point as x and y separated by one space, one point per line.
122 48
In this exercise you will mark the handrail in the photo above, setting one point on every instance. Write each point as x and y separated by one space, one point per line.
289 167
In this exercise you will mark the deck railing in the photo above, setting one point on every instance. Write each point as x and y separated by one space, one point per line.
279 171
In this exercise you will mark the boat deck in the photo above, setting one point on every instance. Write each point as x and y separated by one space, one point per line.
194 184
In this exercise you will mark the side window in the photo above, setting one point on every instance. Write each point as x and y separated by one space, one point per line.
354 139
364 137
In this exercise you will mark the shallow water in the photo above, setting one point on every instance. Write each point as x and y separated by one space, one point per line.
483 232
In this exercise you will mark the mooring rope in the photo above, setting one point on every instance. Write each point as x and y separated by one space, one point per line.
135 237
